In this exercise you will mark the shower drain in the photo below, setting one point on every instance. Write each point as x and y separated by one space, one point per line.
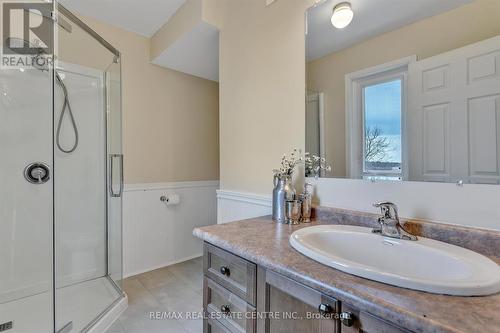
6 326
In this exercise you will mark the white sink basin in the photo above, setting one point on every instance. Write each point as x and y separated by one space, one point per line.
426 264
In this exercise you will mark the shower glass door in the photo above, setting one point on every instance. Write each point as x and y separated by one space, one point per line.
115 171
88 176
26 178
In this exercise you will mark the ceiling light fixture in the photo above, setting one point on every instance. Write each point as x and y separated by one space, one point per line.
342 15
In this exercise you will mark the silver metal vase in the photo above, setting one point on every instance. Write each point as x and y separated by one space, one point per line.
283 191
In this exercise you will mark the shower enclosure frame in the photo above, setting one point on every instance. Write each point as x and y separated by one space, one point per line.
61 9
109 314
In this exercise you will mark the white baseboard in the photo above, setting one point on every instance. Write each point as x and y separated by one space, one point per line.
170 263
155 234
234 206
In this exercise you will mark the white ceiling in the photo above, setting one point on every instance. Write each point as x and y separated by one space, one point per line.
144 17
196 53
371 18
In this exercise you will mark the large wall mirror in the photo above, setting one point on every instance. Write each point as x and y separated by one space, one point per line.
405 90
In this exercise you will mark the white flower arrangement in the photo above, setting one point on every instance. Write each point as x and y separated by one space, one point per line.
314 164
288 164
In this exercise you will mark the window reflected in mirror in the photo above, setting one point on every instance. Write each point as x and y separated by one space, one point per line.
382 129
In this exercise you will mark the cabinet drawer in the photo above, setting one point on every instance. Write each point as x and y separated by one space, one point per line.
214 326
366 323
231 311
234 273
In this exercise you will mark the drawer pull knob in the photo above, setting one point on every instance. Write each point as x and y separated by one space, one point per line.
225 309
347 318
325 309
224 270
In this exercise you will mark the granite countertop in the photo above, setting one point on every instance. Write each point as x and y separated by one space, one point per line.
265 243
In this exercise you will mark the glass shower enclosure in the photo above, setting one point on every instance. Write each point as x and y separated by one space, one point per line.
61 172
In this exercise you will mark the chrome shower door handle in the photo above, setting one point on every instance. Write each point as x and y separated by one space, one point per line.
112 158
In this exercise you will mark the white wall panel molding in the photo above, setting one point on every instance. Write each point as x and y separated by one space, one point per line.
157 235
169 185
234 206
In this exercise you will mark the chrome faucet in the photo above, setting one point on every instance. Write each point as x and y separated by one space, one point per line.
389 222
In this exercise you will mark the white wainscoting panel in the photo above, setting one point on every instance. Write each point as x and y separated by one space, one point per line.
157 235
234 206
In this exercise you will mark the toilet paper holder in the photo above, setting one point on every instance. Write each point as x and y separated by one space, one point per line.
172 199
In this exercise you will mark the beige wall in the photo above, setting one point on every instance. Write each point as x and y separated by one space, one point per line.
170 119
451 30
262 84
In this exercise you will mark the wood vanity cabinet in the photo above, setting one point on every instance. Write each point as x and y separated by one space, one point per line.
273 302
293 307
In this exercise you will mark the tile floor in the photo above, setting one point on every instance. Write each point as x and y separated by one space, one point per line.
176 288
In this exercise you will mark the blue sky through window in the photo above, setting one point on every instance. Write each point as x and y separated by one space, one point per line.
383 111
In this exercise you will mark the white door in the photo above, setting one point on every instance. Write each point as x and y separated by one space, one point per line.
454 115
314 124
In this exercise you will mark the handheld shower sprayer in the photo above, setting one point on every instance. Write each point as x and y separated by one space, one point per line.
40 63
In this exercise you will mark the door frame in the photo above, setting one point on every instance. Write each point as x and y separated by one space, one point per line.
320 96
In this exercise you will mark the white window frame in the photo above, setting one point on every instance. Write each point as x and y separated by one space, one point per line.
354 84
